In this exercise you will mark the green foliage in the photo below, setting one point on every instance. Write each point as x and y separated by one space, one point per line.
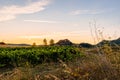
37 55
52 42
45 41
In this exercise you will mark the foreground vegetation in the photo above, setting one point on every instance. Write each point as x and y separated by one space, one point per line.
36 55
60 63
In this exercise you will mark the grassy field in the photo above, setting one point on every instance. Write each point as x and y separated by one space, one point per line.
60 63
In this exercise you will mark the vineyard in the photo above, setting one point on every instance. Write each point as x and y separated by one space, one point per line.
59 63
36 55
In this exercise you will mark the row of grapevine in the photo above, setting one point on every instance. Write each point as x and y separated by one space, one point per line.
36 55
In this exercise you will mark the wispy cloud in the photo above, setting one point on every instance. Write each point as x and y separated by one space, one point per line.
78 12
11 12
41 21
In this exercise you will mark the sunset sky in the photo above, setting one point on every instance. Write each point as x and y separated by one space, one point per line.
28 21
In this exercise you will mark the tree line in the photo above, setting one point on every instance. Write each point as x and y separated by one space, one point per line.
45 42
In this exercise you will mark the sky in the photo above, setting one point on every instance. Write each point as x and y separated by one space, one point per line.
29 21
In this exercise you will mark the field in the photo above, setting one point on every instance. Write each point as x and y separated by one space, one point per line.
59 63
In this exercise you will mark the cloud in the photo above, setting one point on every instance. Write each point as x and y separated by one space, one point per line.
6 17
41 21
78 12
11 12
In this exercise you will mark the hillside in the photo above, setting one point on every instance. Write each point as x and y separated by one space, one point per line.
110 42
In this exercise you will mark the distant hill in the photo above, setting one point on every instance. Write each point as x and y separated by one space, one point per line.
2 43
110 42
18 44
117 41
86 45
64 42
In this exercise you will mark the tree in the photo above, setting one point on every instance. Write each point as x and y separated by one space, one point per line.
34 44
51 42
45 41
